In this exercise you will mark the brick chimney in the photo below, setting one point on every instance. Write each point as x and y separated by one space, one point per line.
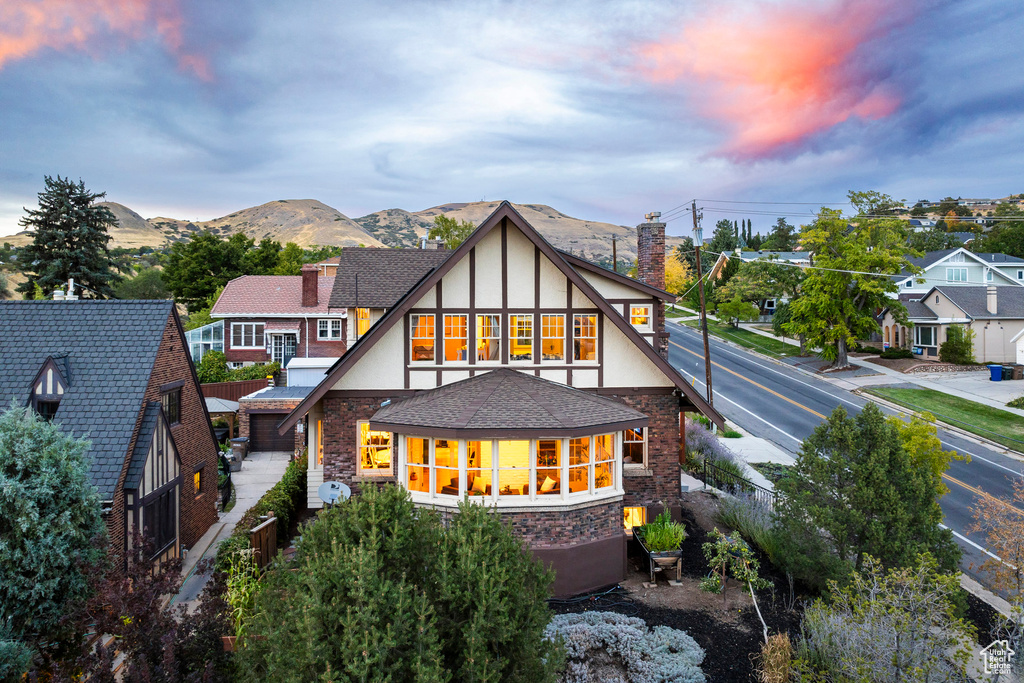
990 299
309 283
650 251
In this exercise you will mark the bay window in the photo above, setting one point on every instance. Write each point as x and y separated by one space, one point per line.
488 338
417 458
549 467
520 341
446 462
374 451
552 337
456 337
514 468
579 464
585 337
422 338
480 470
604 461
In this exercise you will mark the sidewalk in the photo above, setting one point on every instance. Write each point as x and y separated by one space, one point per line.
260 471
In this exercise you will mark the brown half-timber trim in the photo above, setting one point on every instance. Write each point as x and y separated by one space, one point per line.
471 348
501 215
267 411
383 394
177 384
406 343
618 277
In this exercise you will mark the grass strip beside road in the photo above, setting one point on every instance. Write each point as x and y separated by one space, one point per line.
997 425
769 346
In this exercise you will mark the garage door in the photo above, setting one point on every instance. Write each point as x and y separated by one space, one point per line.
263 434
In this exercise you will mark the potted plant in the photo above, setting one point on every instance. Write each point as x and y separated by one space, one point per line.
661 541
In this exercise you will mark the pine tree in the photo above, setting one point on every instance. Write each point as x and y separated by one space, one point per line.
71 236
724 239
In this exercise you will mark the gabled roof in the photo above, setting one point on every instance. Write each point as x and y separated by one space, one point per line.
506 403
998 259
276 295
110 348
974 301
378 277
577 262
151 418
933 257
919 310
505 211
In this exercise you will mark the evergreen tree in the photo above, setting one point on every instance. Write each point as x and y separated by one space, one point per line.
782 237
723 241
70 240
50 526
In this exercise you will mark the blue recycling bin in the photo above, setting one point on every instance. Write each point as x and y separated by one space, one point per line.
997 372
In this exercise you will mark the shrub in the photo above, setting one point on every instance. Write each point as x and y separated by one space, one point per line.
959 346
1016 403
257 371
662 534
604 646
728 433
702 445
213 367
896 353
383 592
754 522
775 659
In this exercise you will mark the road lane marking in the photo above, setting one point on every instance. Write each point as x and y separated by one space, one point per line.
759 386
752 414
975 545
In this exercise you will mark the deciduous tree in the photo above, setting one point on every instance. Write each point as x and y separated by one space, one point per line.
677 274
452 231
148 284
736 311
69 241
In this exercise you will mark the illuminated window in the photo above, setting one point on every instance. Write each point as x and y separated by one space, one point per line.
197 481
549 467
417 458
513 468
480 473
579 464
640 317
374 451
362 321
585 337
604 461
422 331
446 461
456 337
520 331
552 337
488 338
634 517
634 446
319 443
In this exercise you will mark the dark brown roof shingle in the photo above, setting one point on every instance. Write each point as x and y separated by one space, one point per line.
378 278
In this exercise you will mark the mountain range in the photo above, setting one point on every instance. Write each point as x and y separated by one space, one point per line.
310 222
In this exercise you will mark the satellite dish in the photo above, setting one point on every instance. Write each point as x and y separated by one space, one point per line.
331 491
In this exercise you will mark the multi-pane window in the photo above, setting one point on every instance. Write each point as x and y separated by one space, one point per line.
171 401
362 321
374 451
456 338
197 481
520 341
514 468
480 470
584 336
924 335
579 464
988 275
640 317
634 445
956 275
247 335
417 459
488 337
329 330
446 461
160 517
552 337
422 337
549 467
604 461
319 443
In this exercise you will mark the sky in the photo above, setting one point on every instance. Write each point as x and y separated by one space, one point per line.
605 110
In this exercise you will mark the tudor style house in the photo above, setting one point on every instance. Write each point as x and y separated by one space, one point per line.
119 374
522 378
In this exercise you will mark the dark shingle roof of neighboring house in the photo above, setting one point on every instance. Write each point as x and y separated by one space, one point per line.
974 301
999 258
377 278
109 348
929 258
917 309
506 402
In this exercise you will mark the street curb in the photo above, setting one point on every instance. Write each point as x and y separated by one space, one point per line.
1016 455
733 344
988 597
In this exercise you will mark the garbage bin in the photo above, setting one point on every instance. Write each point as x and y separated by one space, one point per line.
1007 372
1018 371
996 370
240 447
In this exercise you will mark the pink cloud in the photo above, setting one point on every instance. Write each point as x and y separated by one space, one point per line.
28 26
774 76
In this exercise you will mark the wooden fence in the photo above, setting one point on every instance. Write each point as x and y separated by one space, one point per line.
232 391
264 541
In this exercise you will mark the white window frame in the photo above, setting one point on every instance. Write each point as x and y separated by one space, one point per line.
543 327
445 337
330 325
1020 274
513 329
413 318
649 315
634 465
934 336
359 453
952 274
595 337
243 327
495 336
957 257
989 275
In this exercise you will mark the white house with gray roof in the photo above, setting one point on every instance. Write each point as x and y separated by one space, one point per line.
958 268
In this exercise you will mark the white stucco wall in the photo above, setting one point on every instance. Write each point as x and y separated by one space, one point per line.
382 365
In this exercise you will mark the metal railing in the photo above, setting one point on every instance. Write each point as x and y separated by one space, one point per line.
724 480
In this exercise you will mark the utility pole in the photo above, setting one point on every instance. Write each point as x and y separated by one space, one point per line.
615 258
698 242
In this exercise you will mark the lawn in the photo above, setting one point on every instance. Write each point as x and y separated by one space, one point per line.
991 423
769 346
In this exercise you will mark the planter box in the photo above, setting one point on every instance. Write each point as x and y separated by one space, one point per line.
661 560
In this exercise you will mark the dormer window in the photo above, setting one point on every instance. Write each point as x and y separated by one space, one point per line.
48 389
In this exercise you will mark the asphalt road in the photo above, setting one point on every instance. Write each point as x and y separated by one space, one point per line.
776 402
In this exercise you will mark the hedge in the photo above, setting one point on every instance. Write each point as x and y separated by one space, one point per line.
285 498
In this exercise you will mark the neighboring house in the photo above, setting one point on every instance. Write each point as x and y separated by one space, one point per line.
523 379
995 314
959 267
328 267
803 257
279 317
119 374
